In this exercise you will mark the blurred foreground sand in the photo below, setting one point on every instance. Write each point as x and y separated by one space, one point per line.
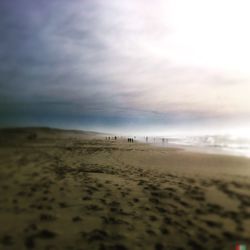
72 190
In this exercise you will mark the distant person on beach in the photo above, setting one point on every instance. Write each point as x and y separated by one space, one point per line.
146 139
32 136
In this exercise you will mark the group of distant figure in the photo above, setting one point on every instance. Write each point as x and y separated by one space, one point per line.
111 138
130 140
108 138
154 139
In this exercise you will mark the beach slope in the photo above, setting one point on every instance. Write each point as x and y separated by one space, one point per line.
76 190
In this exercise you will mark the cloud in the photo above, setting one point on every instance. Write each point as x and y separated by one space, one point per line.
97 62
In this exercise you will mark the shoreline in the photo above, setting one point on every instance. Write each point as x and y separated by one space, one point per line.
203 149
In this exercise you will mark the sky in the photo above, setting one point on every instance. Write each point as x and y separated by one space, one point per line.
126 66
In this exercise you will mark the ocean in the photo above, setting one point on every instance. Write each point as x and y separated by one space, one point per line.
213 144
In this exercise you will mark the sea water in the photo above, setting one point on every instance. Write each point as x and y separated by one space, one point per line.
218 144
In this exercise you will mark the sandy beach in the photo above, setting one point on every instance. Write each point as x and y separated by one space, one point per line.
74 190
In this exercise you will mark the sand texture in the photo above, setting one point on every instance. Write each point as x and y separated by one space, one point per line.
71 190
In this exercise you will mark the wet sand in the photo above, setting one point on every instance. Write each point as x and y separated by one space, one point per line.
70 190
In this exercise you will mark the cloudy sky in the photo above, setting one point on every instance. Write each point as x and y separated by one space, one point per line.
131 65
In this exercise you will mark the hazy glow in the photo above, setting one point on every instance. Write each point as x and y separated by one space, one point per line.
211 34
202 53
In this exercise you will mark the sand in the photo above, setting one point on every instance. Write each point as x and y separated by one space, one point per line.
71 190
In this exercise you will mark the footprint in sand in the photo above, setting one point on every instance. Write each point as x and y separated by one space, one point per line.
7 240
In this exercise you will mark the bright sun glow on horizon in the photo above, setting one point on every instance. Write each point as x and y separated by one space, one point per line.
212 34
204 34
201 49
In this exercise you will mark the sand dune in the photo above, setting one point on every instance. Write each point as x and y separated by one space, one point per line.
73 190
